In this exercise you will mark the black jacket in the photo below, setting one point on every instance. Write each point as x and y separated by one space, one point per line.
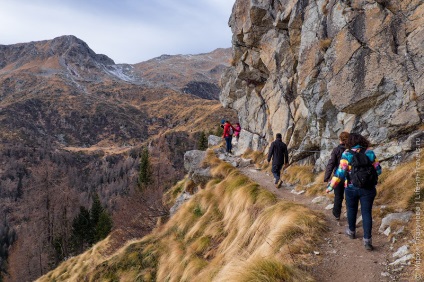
278 152
334 161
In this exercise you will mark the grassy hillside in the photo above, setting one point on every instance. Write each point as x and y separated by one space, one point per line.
232 230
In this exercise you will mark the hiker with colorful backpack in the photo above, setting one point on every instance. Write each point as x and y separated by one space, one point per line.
360 168
228 136
332 165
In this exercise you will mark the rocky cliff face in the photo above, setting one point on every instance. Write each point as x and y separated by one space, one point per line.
313 68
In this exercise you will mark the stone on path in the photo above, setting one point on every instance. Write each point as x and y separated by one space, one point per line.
320 200
329 207
401 252
388 219
403 260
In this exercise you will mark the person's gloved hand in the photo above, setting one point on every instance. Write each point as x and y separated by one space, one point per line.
329 189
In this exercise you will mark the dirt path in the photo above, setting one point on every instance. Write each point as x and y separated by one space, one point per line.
340 258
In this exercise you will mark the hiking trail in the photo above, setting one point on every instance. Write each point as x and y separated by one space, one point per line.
340 258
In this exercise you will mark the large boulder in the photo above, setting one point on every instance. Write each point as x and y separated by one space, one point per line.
214 140
193 160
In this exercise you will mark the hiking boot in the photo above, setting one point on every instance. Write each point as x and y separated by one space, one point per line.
278 185
337 217
368 247
368 244
350 234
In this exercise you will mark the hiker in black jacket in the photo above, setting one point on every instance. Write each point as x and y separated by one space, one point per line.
280 156
332 165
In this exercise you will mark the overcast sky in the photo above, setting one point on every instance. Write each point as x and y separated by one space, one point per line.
128 31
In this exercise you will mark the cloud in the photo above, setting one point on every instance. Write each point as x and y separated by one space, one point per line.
128 31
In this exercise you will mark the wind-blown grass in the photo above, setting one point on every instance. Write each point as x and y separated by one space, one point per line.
233 230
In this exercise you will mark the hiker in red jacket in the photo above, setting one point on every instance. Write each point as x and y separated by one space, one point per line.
228 135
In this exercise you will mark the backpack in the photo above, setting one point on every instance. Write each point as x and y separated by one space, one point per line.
230 131
362 174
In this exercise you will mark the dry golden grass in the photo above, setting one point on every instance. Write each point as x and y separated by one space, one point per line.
299 174
72 268
258 158
171 195
233 229
396 187
108 150
318 186
254 155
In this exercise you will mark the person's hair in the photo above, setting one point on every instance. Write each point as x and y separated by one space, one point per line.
278 136
357 139
344 136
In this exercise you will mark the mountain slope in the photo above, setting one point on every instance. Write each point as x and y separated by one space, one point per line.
194 74
233 230
72 123
66 91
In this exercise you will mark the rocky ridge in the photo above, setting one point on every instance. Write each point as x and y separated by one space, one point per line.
193 74
311 69
63 89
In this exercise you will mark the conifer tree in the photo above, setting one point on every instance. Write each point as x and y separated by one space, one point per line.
103 227
219 131
19 191
82 229
96 210
202 142
145 173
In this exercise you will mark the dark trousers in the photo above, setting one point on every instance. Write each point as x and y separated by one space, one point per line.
276 171
228 140
338 199
366 197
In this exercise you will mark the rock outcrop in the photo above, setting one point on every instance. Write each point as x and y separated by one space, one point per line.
311 69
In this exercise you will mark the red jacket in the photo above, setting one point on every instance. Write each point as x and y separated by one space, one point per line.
227 129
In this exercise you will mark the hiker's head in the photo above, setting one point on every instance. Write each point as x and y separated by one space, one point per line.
278 136
344 136
357 139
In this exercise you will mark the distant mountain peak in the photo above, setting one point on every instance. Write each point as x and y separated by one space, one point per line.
68 48
70 45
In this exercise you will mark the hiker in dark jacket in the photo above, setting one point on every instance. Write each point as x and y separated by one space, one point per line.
332 165
280 156
357 144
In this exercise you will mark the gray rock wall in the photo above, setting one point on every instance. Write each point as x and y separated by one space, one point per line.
311 69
